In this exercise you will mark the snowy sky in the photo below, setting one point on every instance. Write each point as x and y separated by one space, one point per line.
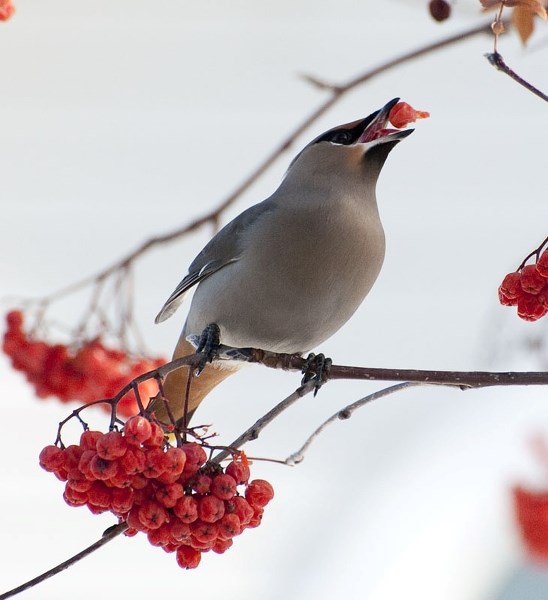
125 120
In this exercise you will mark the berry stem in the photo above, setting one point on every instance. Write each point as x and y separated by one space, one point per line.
536 252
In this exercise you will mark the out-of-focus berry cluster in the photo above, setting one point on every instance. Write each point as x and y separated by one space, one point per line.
527 289
183 503
86 373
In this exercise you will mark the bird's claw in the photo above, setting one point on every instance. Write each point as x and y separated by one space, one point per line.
208 346
316 368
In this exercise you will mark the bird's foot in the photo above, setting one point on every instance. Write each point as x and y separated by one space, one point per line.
208 346
316 368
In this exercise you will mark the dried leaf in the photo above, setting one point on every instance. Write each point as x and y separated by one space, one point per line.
533 6
522 18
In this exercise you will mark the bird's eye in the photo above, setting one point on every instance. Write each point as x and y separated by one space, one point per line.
341 137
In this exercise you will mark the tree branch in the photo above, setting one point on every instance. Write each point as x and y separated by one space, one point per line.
498 62
335 93
343 414
110 534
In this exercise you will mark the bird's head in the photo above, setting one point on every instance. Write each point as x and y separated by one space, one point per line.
358 149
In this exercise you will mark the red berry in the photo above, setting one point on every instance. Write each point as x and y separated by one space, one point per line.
201 483
80 485
223 486
179 531
137 430
221 545
259 493
203 532
152 514
239 470
241 507
101 468
133 461
122 500
401 114
229 526
160 536
530 308
73 497
72 454
186 509
532 282
542 264
187 557
169 494
174 461
156 438
154 463
532 513
210 509
195 455
440 10
51 458
14 319
120 479
510 289
111 445
89 439
256 518
99 494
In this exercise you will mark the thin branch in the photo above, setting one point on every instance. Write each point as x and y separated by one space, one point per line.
336 92
343 414
535 252
498 62
109 535
253 432
462 379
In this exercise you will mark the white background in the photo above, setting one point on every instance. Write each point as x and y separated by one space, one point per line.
122 120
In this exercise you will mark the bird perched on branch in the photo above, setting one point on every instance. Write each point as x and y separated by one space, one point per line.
287 273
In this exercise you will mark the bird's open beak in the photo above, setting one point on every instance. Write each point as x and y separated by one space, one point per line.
375 126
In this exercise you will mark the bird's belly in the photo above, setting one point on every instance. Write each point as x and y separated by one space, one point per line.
295 303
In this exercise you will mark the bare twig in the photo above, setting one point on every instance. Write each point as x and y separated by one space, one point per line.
345 413
109 535
335 93
497 61
253 432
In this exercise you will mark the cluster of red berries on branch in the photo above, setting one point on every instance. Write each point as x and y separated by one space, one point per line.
6 10
527 288
531 509
88 372
182 502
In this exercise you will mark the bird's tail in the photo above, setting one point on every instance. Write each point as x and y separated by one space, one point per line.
175 385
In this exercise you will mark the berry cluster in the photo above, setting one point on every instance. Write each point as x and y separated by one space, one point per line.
6 10
532 515
90 372
401 114
527 288
183 503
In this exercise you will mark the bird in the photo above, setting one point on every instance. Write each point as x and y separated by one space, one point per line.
288 272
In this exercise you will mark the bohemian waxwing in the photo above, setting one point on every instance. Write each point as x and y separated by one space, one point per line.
287 273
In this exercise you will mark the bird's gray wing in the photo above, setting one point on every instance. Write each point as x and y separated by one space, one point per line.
223 249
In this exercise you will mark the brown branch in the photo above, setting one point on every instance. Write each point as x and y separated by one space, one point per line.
462 379
336 92
498 62
296 457
110 534
252 433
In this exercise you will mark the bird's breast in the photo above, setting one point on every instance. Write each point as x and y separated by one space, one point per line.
301 276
